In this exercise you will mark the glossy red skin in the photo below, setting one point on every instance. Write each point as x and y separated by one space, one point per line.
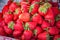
43 36
58 24
8 30
16 34
39 30
18 27
56 37
25 6
16 14
45 25
54 32
8 18
5 9
32 25
50 17
2 31
24 17
13 6
35 8
37 18
27 33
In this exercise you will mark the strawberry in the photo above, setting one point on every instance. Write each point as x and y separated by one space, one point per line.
16 34
18 27
17 13
26 34
37 18
34 8
54 32
2 31
1 15
13 6
37 30
30 25
30 1
24 17
56 37
5 9
25 6
43 36
45 25
43 9
9 29
8 18
58 24
50 17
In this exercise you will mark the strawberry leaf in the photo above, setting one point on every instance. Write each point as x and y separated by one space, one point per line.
11 25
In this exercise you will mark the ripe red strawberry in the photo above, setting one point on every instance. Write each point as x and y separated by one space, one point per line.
8 18
30 25
37 18
37 31
9 29
58 24
2 31
16 34
43 36
34 7
24 17
54 32
55 10
43 9
5 9
45 25
18 27
56 37
1 15
13 6
25 6
27 35
17 13
50 17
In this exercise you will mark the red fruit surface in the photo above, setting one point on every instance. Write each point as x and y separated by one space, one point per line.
56 37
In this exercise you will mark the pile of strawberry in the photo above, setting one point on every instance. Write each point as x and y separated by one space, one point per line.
30 20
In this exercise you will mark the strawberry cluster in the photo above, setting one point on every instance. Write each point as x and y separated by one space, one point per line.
30 20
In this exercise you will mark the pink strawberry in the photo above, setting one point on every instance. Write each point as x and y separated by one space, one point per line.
37 18
30 25
43 36
25 6
8 18
54 32
43 9
17 13
34 7
16 33
58 24
18 27
37 31
45 25
13 6
27 35
24 17
56 37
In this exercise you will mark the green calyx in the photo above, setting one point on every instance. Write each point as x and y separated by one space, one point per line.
11 25
35 32
48 37
26 26
57 17
16 11
58 39
45 7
